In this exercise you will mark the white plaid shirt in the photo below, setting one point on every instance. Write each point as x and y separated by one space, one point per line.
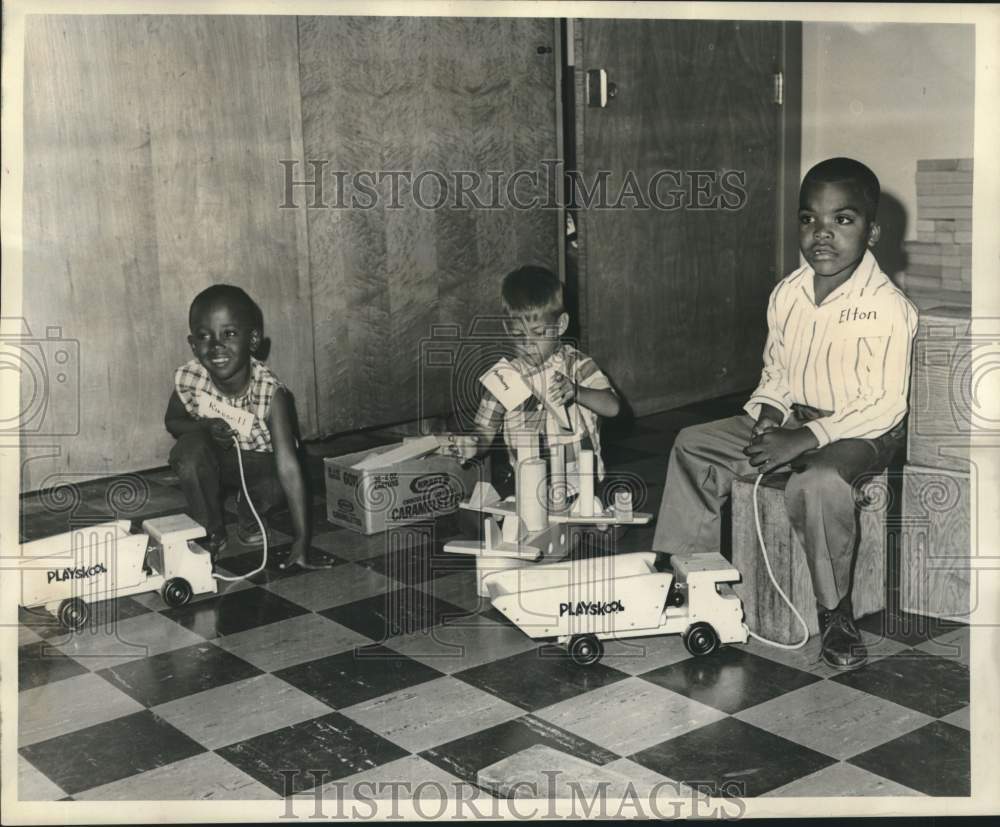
192 378
530 418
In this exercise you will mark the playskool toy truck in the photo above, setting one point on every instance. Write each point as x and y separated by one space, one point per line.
582 602
67 572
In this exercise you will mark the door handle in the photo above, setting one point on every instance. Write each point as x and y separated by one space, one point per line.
599 89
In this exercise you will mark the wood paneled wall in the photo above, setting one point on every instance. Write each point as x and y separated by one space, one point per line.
152 150
417 95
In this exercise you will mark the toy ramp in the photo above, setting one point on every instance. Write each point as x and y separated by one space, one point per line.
601 595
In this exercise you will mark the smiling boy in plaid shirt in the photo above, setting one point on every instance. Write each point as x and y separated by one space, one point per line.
533 300
224 377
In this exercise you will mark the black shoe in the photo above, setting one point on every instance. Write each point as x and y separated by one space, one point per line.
840 640
215 544
247 530
250 534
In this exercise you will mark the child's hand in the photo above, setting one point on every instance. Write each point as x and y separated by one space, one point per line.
561 390
461 446
778 447
221 432
762 426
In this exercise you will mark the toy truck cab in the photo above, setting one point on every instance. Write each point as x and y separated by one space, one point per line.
186 568
702 605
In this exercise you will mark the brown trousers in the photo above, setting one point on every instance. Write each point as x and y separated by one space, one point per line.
819 496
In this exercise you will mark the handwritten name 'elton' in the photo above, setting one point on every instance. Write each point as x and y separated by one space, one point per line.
851 314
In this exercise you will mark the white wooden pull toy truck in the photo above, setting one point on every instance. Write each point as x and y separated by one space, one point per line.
521 568
67 572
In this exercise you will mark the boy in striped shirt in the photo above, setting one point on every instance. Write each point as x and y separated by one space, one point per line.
830 404
532 297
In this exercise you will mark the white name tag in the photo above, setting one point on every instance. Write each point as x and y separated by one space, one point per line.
506 384
238 419
863 318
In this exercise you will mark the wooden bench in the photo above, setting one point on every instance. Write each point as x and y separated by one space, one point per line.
765 612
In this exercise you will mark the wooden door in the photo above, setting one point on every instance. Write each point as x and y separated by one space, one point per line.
673 296
418 95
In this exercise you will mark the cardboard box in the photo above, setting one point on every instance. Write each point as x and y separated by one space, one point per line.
370 501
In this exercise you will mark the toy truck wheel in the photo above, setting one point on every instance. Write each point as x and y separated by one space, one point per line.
73 613
176 592
585 650
701 639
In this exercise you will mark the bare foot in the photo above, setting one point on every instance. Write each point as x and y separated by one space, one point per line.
304 563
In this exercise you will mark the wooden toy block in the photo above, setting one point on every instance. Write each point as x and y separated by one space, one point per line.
766 613
939 387
957 177
957 213
938 164
935 574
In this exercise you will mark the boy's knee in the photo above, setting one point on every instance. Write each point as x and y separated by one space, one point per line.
690 439
816 480
190 453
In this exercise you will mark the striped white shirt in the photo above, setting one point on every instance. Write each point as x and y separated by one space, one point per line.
850 355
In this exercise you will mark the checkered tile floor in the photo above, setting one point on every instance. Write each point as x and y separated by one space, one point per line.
388 668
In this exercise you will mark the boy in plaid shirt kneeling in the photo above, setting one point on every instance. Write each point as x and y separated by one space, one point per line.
224 385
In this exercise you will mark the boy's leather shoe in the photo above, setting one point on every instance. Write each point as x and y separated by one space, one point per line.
250 534
215 543
247 530
840 641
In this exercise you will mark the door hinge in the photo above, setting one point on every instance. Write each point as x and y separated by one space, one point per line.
778 88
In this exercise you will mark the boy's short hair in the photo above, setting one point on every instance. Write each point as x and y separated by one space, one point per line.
233 296
532 289
840 170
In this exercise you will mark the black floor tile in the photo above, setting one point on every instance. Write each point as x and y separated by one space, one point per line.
928 683
110 751
103 614
235 611
617 454
933 760
248 561
732 758
177 674
126 497
398 612
539 677
352 677
730 679
465 757
311 753
281 520
39 663
416 558
904 627
652 471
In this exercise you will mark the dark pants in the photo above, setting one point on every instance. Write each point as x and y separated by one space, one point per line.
819 495
206 469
